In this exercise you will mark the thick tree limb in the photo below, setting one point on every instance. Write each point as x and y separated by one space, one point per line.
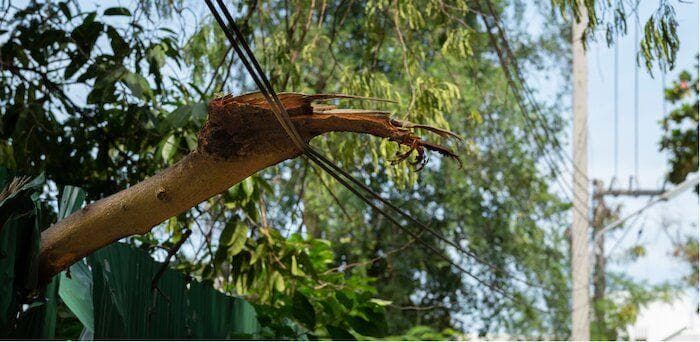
240 138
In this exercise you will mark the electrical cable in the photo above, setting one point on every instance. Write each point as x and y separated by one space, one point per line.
636 104
504 64
280 113
617 110
539 117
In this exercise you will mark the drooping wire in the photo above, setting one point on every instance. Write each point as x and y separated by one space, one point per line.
663 91
279 111
539 116
254 69
530 122
268 91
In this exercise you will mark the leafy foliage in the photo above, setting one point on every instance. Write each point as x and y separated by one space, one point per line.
19 247
291 279
689 252
680 127
50 52
659 42
622 305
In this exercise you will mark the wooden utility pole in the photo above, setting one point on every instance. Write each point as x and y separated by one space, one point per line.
579 230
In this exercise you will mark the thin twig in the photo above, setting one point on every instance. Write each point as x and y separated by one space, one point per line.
166 262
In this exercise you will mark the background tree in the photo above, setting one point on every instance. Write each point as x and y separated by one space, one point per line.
680 139
103 98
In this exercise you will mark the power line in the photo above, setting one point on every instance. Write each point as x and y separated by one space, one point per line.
663 91
616 95
282 116
636 103
530 123
624 233
539 116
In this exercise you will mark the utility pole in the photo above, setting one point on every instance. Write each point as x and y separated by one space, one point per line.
579 230
602 215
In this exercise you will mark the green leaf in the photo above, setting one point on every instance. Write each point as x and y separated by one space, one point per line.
339 334
364 327
240 235
137 84
375 325
39 322
255 256
218 316
73 291
71 200
175 119
344 299
127 308
226 236
278 281
295 268
380 302
303 311
63 5
248 186
119 46
85 36
117 11
169 148
199 111
19 251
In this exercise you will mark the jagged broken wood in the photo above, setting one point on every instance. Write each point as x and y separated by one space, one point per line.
239 138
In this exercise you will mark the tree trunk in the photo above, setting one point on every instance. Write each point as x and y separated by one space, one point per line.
240 137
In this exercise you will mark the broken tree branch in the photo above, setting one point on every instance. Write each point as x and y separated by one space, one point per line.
240 138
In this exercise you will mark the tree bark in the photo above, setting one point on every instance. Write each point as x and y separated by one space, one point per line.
240 138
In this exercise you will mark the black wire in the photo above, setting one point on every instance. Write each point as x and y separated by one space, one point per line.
327 165
530 125
268 86
636 105
251 70
617 111
539 117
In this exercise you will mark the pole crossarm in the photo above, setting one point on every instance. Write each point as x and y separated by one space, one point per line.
627 192
691 181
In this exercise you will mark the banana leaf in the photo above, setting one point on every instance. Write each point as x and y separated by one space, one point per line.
76 285
21 215
127 306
